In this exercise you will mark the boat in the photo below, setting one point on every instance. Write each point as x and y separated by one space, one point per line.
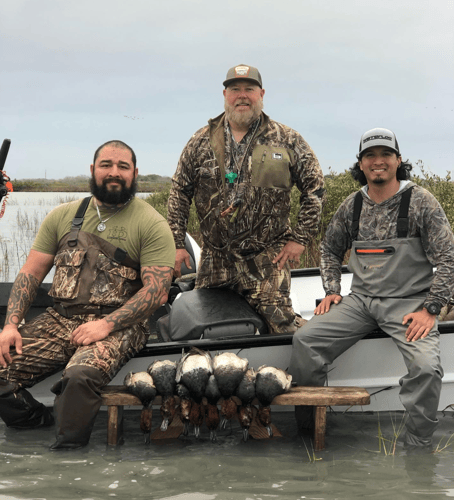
374 363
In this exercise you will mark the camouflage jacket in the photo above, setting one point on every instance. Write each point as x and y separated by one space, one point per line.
426 219
277 158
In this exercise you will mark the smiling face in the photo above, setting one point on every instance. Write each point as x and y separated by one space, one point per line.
243 103
379 165
113 175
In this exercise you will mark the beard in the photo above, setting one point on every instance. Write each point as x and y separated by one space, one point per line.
112 197
243 119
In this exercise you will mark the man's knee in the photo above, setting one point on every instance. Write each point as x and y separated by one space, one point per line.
80 377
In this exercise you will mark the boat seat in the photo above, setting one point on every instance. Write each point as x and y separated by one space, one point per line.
116 397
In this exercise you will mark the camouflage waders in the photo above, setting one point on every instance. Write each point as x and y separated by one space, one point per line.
92 279
258 280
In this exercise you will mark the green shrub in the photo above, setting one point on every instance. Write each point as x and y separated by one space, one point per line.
338 187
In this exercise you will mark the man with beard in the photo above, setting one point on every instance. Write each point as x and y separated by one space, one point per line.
114 256
240 170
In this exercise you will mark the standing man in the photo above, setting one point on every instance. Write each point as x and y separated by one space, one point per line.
114 256
397 233
240 169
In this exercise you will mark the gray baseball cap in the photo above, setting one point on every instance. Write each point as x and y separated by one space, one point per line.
243 72
378 137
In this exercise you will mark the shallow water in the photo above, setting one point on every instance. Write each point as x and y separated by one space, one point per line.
351 466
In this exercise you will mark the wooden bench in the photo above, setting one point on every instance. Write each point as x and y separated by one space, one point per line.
115 397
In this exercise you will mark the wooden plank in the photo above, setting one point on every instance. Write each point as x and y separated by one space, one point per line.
306 396
173 431
258 431
327 396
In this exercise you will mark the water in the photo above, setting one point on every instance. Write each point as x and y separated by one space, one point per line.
352 466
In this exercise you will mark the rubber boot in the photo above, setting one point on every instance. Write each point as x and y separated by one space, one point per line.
20 410
76 406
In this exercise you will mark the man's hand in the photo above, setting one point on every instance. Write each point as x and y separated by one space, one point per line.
325 304
291 252
421 323
181 256
90 332
9 337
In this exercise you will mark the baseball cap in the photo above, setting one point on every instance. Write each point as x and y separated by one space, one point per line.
243 72
378 137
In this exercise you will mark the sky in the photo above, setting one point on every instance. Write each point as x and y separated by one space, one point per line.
77 74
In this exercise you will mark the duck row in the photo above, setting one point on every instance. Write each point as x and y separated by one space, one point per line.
198 375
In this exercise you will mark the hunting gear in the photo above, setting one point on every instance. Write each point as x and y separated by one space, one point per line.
397 233
107 282
239 170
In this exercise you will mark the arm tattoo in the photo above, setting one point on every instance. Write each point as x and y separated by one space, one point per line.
156 285
22 295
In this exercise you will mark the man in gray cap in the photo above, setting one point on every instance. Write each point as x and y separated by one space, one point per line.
397 233
240 169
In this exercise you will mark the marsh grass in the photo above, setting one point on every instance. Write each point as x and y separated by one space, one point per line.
15 249
444 443
387 444
311 453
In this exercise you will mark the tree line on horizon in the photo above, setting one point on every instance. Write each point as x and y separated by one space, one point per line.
146 183
338 186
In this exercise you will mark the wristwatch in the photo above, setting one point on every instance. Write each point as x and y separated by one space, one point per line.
433 308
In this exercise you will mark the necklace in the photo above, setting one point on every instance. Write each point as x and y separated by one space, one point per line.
101 226
238 161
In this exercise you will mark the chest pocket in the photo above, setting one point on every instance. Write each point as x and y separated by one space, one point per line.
271 167
68 265
112 284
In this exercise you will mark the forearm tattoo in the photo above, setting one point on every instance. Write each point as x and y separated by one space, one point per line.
156 285
22 295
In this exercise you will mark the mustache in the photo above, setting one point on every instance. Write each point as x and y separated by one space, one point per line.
122 182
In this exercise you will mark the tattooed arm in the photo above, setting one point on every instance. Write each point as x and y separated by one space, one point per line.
156 284
22 294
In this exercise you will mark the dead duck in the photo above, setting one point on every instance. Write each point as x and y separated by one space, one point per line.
193 371
246 393
269 383
212 417
185 406
229 370
163 374
141 385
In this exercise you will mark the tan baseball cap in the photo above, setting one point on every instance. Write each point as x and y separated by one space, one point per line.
243 72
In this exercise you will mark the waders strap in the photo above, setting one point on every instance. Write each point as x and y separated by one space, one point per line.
78 220
356 213
402 219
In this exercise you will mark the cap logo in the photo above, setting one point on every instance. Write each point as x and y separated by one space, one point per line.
242 71
374 137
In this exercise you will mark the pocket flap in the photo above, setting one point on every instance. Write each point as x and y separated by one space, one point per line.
70 258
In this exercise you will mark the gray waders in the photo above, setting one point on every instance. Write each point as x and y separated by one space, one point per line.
390 279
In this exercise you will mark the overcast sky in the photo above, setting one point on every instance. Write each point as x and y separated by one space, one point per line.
75 74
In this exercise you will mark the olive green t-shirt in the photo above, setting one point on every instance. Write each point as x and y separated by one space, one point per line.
138 228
